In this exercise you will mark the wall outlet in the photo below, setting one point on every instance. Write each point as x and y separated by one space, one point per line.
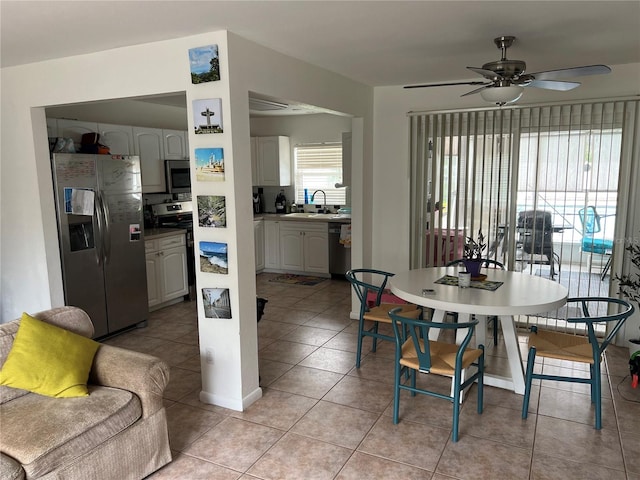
209 356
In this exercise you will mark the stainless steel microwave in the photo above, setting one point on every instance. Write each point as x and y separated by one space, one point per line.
178 175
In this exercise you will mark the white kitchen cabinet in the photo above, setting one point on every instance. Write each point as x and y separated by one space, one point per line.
175 144
271 244
166 260
254 161
258 231
52 127
119 138
148 144
75 129
271 157
304 247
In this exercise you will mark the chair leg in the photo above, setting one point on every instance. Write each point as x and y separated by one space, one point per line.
495 331
396 394
375 339
481 381
527 381
596 382
606 268
359 348
413 375
456 408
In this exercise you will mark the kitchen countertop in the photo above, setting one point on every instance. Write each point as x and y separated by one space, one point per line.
326 218
153 233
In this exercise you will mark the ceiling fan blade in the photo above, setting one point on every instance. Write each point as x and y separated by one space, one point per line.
553 85
571 72
444 84
491 75
476 90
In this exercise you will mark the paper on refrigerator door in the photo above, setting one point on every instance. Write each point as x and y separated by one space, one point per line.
79 201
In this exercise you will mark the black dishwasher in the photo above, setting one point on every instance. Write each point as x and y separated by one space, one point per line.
339 255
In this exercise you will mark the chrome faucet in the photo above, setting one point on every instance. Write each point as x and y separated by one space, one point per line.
324 208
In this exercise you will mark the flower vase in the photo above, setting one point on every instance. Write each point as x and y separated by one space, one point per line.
473 267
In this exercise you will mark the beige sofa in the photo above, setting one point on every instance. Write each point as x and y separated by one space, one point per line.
118 432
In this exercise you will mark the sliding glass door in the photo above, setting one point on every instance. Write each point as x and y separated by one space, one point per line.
541 183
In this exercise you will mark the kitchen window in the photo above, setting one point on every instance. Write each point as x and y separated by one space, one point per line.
319 167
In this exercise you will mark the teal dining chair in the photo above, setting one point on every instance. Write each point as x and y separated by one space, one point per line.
585 349
415 353
486 263
371 284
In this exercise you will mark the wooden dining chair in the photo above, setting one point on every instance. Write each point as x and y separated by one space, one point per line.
486 263
416 353
578 348
366 282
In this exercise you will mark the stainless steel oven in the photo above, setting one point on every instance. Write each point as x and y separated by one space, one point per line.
178 175
180 215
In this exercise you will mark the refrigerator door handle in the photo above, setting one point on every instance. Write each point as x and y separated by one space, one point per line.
106 238
100 224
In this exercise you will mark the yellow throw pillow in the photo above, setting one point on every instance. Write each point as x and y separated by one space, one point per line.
48 360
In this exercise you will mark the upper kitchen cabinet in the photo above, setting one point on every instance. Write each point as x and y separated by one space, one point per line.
52 127
148 144
175 145
272 157
74 129
254 161
119 138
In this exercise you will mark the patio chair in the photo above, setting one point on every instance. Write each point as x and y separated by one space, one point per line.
600 246
578 348
486 263
366 281
416 353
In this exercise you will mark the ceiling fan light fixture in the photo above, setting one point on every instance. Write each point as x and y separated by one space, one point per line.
502 95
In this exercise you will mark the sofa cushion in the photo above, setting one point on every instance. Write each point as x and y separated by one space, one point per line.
49 360
10 469
43 433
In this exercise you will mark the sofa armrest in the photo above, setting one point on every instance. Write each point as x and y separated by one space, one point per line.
145 375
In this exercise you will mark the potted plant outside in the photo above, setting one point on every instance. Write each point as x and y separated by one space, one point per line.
472 255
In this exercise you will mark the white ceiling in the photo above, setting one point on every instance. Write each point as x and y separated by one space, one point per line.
373 42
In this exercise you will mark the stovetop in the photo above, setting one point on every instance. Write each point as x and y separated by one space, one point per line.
173 208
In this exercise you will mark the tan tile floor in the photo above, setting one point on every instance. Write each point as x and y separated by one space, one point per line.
320 418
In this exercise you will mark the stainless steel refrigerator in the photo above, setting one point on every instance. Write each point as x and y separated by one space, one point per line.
100 220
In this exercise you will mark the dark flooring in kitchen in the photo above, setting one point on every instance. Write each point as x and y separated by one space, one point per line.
321 418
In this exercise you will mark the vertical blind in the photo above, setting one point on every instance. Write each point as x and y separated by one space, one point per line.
477 170
319 167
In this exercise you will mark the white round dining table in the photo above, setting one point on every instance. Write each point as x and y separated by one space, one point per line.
519 294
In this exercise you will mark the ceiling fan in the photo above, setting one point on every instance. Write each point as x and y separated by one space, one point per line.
504 80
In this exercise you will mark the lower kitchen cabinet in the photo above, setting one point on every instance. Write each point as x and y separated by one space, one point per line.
258 231
304 247
167 280
271 245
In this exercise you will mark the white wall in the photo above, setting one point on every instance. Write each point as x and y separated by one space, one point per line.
126 112
30 273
